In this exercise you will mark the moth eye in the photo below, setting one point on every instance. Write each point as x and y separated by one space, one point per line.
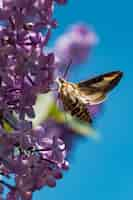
61 80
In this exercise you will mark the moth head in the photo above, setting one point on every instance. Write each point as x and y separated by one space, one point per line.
60 81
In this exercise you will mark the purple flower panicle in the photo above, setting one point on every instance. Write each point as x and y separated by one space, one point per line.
25 69
27 155
34 159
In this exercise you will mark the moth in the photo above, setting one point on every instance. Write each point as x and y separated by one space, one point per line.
76 97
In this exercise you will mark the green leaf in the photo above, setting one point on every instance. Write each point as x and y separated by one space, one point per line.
7 127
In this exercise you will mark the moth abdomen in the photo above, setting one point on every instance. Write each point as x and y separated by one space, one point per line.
72 104
79 111
75 110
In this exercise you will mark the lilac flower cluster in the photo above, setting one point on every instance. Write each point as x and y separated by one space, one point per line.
75 44
33 157
62 131
35 160
27 155
25 70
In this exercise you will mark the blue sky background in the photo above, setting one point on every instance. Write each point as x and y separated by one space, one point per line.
104 170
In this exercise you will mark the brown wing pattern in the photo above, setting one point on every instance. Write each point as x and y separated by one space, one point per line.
96 88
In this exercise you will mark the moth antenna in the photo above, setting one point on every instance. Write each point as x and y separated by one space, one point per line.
67 69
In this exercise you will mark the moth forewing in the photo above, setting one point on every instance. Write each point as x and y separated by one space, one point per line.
96 89
104 82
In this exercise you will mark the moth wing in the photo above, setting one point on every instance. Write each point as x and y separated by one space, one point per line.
94 90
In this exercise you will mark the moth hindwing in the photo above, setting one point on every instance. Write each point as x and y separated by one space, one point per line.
77 97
